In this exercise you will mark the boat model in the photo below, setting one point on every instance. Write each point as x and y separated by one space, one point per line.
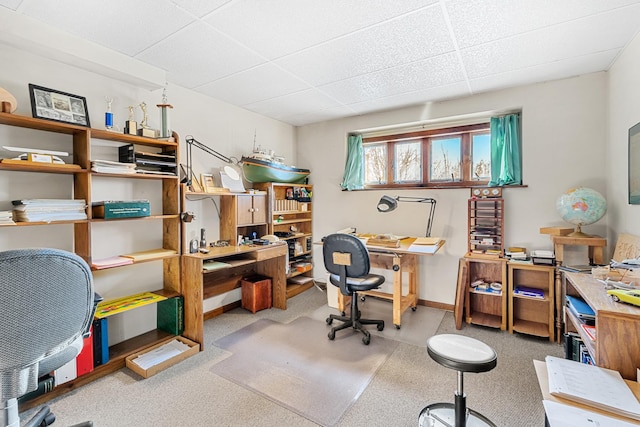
264 166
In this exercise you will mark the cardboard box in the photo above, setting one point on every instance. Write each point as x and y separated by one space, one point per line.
146 373
121 209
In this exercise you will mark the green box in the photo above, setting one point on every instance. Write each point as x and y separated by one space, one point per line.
121 209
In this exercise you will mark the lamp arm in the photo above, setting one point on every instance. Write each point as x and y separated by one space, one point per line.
432 209
191 142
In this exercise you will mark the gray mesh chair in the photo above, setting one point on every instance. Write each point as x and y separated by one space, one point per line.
347 260
46 309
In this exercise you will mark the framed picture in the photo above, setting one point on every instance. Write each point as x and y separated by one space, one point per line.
196 187
58 106
207 182
634 165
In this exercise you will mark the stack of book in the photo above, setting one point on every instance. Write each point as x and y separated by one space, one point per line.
47 210
528 292
6 218
108 166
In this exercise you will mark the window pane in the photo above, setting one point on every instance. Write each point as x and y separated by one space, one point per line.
375 164
481 157
445 159
407 165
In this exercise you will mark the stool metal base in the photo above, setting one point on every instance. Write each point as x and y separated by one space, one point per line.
444 415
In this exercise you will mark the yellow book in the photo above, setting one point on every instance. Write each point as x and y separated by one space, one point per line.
150 254
115 306
427 241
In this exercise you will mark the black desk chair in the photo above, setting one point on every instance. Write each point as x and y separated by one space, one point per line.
347 260
46 309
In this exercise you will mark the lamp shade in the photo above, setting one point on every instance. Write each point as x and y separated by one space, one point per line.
387 204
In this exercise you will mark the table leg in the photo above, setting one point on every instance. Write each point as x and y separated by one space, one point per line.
397 291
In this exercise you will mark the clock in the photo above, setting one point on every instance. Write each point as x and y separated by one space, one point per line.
495 192
487 192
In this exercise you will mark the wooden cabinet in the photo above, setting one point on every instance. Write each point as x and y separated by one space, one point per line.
290 218
486 308
617 345
486 226
530 314
80 234
242 215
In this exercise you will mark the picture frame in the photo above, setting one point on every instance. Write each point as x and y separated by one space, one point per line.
196 186
58 106
634 165
208 182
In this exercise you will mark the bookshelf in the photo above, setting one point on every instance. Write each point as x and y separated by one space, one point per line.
75 180
486 226
529 314
484 308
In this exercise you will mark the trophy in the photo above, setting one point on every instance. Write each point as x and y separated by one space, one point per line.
165 128
145 130
131 126
108 115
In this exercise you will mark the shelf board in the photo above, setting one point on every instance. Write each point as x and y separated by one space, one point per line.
134 175
41 167
40 124
531 328
485 319
138 218
291 212
291 221
131 139
40 223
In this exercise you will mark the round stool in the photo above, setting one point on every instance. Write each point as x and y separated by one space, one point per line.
462 354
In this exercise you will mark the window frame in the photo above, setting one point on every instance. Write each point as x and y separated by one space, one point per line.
426 136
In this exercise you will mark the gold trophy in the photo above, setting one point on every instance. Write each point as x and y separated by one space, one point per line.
131 126
145 130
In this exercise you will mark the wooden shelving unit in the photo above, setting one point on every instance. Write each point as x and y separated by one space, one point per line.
531 315
486 226
291 214
80 145
482 308
242 215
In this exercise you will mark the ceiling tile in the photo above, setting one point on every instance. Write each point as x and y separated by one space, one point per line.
126 26
475 22
406 39
562 41
248 87
295 103
200 8
438 71
199 54
280 27
318 116
11 4
545 72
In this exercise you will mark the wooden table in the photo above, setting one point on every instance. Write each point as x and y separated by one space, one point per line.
543 380
399 260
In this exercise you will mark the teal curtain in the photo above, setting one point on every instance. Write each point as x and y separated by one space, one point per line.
506 161
353 178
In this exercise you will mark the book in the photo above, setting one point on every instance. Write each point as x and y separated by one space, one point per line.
119 305
590 330
528 292
100 334
115 261
170 315
113 209
84 360
592 386
580 309
45 385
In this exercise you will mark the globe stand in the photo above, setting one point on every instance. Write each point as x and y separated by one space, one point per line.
578 232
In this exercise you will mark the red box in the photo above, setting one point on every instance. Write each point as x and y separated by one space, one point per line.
256 293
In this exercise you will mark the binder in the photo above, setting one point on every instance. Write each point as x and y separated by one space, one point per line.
84 360
100 341
581 309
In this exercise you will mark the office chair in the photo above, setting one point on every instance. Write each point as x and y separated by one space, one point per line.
46 309
347 260
463 354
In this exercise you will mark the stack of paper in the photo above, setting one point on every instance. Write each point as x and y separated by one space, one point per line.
115 261
150 254
160 354
108 166
591 385
427 245
6 217
560 415
46 210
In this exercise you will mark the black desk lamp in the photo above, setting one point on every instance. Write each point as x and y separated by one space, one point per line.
388 203
192 142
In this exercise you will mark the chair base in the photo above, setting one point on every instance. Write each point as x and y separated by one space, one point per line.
353 321
444 415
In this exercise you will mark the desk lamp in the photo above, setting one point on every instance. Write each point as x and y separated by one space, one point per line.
388 203
228 170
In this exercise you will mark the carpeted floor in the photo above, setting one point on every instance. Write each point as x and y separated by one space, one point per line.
287 363
190 394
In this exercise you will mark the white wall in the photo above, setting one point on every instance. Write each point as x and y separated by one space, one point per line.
564 145
624 112
227 129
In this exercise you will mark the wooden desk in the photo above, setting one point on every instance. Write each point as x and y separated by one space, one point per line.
595 247
398 260
543 380
198 284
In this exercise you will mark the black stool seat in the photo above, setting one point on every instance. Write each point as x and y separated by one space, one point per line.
461 353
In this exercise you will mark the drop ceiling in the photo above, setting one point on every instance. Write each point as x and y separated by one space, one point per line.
305 61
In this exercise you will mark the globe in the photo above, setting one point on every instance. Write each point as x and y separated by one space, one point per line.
581 206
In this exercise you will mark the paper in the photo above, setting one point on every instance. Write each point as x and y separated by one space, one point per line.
160 354
591 385
424 249
560 415
427 241
110 262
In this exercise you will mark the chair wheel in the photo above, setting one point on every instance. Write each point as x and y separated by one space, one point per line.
397 326
414 308
329 320
343 313
366 339
381 326
362 298
332 335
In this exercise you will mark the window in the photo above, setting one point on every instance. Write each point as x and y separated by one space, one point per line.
448 157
